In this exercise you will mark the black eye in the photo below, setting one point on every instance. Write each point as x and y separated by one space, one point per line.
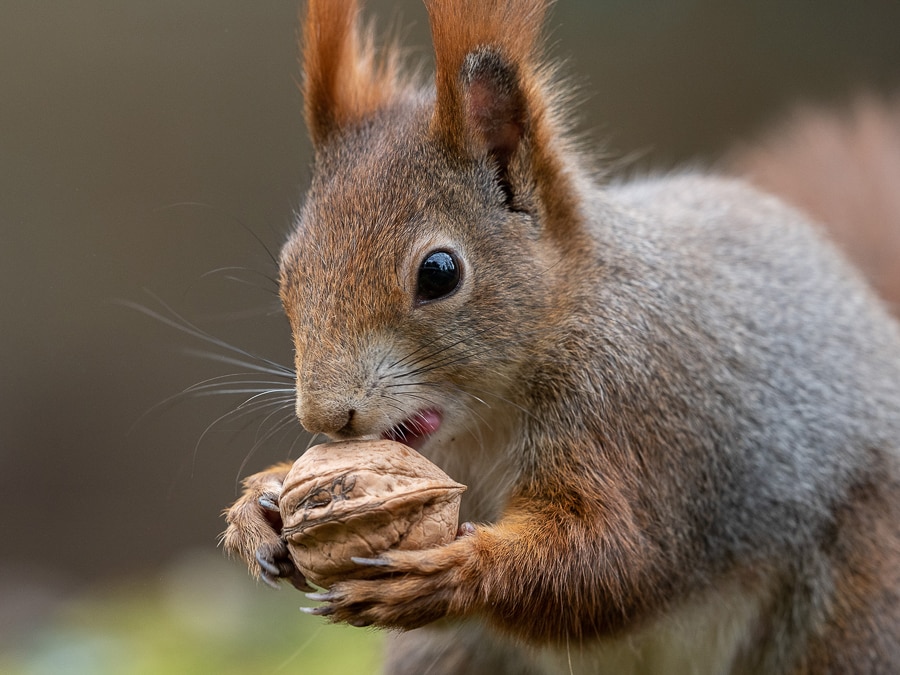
438 276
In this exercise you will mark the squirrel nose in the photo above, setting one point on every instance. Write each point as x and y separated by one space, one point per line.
320 416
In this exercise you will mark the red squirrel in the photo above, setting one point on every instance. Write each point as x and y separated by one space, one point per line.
675 404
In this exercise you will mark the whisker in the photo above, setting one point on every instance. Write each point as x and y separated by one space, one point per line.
397 405
237 268
483 392
275 369
283 396
181 324
284 423
209 387
444 348
245 390
449 360
219 384
300 433
277 409
313 441
237 413
406 360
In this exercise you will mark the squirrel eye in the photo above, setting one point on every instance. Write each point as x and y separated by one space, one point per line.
438 277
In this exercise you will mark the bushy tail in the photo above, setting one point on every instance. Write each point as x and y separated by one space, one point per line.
843 168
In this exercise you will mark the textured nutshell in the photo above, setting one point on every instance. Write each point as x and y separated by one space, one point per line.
360 499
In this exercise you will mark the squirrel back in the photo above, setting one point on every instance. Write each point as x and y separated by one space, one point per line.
675 404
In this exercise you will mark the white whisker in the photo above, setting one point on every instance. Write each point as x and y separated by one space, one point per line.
273 369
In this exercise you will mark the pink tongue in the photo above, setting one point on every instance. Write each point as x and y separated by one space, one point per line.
425 423
415 430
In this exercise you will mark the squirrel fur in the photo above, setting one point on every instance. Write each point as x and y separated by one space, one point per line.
675 404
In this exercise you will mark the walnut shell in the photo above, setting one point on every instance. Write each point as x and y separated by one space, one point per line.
360 499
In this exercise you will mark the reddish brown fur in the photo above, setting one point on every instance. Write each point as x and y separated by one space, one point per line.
345 79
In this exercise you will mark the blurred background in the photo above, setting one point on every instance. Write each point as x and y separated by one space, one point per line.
151 156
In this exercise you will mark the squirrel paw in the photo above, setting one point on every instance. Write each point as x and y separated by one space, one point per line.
254 531
411 589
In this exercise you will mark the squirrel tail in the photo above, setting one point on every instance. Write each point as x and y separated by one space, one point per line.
843 168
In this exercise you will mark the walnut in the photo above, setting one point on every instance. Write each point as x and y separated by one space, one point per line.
360 499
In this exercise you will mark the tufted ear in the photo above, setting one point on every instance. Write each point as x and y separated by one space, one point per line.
494 107
486 73
344 79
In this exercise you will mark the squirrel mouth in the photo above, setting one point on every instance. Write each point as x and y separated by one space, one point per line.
415 430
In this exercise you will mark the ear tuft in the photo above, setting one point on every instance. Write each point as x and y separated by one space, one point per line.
345 79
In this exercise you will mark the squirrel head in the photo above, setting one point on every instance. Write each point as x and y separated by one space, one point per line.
424 261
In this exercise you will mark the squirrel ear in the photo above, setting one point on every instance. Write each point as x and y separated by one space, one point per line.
496 99
485 63
495 111
344 80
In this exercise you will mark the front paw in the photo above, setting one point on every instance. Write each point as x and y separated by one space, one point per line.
412 589
254 531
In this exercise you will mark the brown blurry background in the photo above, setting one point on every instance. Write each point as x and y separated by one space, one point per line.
147 148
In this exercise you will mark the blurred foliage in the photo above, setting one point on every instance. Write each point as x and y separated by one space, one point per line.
202 616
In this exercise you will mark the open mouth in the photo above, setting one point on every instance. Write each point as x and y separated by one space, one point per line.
415 430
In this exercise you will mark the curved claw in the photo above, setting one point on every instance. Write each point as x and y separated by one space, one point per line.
328 596
268 503
321 610
269 580
268 566
274 568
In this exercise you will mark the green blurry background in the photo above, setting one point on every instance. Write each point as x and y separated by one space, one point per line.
151 153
